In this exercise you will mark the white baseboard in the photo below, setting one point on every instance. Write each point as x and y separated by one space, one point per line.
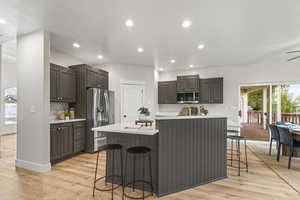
36 167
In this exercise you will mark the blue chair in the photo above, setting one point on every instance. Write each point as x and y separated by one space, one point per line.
287 138
274 136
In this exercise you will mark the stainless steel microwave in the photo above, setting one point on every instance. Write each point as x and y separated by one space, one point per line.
188 98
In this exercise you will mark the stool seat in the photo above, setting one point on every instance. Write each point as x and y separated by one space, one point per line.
138 150
236 137
110 147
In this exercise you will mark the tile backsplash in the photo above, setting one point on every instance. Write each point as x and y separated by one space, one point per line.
56 108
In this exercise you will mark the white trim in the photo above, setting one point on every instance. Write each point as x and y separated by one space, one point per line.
36 167
129 82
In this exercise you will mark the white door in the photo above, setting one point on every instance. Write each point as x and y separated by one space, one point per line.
132 98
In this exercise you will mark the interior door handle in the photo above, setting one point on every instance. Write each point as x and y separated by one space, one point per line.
124 116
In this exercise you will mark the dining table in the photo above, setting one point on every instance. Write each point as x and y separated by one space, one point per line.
295 130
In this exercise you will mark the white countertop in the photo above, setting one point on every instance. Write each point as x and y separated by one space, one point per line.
128 128
65 121
189 117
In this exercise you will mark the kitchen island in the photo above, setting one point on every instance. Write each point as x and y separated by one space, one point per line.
186 151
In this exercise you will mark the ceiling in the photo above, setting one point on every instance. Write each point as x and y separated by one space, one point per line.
235 32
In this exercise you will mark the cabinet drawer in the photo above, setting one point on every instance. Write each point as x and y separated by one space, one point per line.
78 124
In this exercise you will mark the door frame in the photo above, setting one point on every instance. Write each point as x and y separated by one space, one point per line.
130 82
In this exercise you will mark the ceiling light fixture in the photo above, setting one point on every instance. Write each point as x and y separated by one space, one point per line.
191 66
3 21
172 61
76 45
100 57
129 23
201 46
140 50
186 24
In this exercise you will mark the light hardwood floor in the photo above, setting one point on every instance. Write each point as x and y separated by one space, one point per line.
73 180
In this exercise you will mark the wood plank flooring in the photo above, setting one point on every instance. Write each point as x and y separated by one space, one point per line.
73 180
254 131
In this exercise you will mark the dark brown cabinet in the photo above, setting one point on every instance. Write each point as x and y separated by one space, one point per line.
79 136
87 77
62 84
208 91
211 91
167 92
66 139
188 83
61 141
97 79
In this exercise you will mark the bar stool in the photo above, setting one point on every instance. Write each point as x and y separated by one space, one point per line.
144 152
109 148
237 151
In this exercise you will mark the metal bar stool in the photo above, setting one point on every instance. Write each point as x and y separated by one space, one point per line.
109 148
237 152
144 152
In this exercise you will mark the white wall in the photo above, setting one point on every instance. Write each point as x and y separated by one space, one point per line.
277 70
118 72
63 59
33 74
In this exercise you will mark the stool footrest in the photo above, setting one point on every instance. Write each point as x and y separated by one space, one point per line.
138 181
109 189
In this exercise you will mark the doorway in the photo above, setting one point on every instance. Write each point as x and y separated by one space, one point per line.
264 104
132 98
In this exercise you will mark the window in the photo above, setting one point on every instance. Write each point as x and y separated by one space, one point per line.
10 106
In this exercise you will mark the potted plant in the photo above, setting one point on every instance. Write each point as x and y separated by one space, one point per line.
144 113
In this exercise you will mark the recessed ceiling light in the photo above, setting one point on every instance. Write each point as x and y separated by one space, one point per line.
186 24
201 46
172 61
76 45
160 69
140 50
100 57
129 23
191 66
3 21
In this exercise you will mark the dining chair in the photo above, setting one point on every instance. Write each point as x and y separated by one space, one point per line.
286 137
274 136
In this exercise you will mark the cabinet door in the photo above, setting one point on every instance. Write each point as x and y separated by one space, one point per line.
54 154
191 85
204 91
167 92
54 82
188 83
67 140
181 86
211 90
216 90
79 137
67 85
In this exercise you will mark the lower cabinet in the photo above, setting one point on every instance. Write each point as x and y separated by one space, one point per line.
66 140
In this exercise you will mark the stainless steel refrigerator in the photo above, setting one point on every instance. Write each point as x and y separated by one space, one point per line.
100 112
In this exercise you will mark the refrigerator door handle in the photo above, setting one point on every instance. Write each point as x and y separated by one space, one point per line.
107 107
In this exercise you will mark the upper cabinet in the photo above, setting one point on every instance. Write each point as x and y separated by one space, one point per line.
188 83
208 91
87 77
211 91
167 92
97 78
62 84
